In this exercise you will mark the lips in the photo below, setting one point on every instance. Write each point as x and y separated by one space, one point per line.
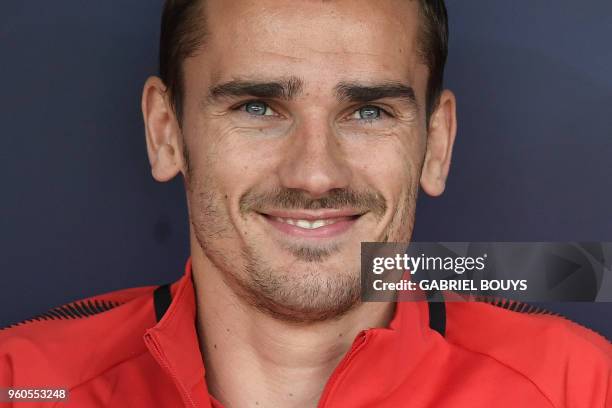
317 224
311 224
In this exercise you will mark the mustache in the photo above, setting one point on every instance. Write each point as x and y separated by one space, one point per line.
289 198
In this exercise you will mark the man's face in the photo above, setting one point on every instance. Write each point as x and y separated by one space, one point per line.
304 124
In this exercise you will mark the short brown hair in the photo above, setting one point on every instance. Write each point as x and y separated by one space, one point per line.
183 29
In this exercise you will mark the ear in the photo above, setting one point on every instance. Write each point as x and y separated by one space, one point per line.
162 131
440 139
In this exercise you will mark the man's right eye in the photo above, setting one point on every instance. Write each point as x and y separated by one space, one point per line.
257 108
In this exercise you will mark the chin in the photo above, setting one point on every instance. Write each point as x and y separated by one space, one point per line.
317 288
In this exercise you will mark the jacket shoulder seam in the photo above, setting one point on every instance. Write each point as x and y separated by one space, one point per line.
79 309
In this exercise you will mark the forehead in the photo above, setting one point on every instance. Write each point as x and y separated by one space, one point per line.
347 39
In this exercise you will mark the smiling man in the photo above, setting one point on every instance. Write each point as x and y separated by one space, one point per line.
301 128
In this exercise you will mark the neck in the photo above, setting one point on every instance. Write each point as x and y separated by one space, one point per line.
290 362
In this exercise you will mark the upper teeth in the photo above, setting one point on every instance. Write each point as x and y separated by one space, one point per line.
313 224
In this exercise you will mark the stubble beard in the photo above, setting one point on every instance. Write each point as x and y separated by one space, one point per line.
309 289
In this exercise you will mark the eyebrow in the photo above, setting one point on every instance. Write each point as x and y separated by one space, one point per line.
284 89
356 92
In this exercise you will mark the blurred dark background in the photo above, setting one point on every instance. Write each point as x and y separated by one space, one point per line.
80 214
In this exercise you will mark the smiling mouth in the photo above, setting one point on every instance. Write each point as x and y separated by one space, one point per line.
311 224
327 224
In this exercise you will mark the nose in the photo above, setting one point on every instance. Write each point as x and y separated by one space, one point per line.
314 160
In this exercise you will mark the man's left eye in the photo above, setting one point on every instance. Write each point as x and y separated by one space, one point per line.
367 113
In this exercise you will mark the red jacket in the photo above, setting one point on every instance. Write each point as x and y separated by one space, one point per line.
139 348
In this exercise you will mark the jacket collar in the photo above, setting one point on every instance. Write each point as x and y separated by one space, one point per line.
382 359
173 341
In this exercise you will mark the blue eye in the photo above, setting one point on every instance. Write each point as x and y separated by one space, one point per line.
368 113
257 108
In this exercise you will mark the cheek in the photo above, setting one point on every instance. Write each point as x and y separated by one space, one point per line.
232 161
242 162
392 164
